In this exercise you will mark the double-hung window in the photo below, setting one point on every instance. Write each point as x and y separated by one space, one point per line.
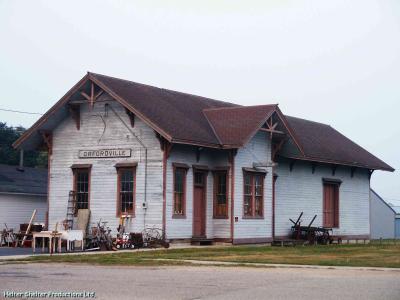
253 195
179 191
221 194
126 191
81 187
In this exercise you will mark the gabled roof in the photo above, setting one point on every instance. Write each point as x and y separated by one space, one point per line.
323 143
178 115
235 125
29 181
189 119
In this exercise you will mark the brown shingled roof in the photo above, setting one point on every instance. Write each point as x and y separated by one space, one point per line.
179 115
235 125
190 119
323 143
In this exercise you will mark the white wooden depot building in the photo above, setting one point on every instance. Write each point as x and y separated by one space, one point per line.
197 167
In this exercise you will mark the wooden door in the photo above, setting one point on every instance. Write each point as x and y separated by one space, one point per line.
331 206
199 205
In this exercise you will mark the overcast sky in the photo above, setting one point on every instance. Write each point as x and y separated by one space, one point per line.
336 62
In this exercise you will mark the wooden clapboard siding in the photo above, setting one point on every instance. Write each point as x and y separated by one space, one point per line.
296 191
67 141
17 209
182 228
257 150
301 190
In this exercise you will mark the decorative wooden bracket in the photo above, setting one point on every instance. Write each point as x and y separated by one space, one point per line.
131 116
48 140
353 170
160 140
334 167
75 111
313 167
276 147
93 97
167 148
291 165
231 155
164 144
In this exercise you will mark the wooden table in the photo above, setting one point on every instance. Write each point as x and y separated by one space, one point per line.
52 236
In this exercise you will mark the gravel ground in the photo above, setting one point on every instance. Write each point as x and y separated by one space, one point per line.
115 282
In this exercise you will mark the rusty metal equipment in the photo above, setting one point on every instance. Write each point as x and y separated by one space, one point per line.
100 238
153 238
311 234
8 237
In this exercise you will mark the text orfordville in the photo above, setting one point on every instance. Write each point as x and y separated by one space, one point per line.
104 153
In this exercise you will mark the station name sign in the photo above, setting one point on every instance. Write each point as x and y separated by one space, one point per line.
105 153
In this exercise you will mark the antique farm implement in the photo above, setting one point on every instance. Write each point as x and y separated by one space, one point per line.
311 234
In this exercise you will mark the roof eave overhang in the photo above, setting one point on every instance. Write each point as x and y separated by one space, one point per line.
37 125
206 145
196 143
335 162
124 103
290 130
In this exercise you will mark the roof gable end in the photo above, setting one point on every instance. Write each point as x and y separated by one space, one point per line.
235 126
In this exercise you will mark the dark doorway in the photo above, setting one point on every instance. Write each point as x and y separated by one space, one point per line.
199 204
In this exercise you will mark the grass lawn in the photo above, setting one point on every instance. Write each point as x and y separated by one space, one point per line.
369 255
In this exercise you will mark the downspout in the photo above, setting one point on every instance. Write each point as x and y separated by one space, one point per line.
145 160
49 160
273 189
145 188
49 153
164 206
232 158
273 202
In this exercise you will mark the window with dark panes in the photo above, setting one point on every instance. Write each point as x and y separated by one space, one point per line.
81 185
221 195
126 190
258 195
179 191
253 194
248 195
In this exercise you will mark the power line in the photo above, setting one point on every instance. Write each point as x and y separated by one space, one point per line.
20 112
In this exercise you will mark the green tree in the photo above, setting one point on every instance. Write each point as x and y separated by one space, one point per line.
10 156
